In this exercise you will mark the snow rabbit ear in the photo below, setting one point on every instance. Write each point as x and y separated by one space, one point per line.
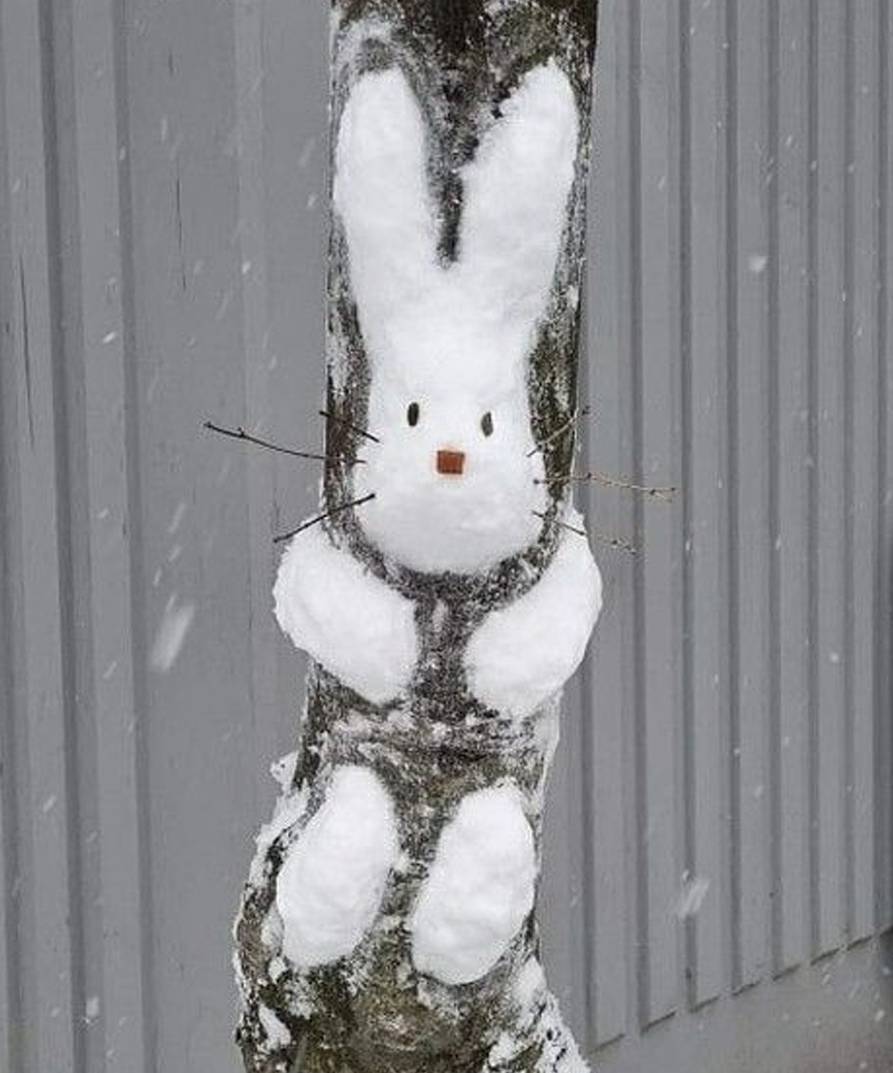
380 190
516 191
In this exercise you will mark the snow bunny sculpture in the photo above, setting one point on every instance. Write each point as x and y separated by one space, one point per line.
388 921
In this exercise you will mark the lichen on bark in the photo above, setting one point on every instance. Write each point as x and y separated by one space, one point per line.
372 1010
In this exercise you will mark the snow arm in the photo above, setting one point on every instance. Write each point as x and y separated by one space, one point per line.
524 653
345 618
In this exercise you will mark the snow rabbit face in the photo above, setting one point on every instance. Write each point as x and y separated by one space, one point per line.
455 472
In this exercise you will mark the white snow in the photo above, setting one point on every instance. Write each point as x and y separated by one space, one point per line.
560 1053
539 1022
171 634
283 770
351 622
524 653
277 1034
452 338
529 983
177 517
516 190
381 193
479 890
330 886
288 811
271 929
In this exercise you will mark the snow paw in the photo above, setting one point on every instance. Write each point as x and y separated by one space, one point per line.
331 884
479 890
346 618
523 654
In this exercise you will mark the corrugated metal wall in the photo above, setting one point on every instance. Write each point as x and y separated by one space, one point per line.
162 235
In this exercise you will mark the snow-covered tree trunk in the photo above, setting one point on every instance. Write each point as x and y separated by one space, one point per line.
388 922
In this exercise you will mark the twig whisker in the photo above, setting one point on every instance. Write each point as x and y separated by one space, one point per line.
559 431
664 494
239 433
602 538
322 517
564 525
349 424
617 543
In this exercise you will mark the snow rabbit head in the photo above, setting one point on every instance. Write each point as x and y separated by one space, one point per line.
455 472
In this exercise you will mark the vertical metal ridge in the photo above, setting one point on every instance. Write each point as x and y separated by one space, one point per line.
689 962
10 952
848 357
17 847
749 489
638 603
812 390
704 488
830 344
589 950
862 564
140 647
678 250
11 1019
731 348
62 439
88 892
260 468
774 391
791 475
657 433
40 683
607 390
884 573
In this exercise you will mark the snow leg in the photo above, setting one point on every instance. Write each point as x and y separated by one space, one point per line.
315 888
480 888
333 877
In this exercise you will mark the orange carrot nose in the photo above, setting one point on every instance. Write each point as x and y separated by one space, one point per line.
450 462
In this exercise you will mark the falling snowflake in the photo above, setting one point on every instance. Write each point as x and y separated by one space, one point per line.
172 630
694 891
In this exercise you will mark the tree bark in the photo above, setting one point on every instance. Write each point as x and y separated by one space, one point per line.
373 1009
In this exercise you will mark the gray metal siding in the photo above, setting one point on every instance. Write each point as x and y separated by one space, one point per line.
733 720
162 255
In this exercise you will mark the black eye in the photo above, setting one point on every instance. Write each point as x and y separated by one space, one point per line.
412 414
487 424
